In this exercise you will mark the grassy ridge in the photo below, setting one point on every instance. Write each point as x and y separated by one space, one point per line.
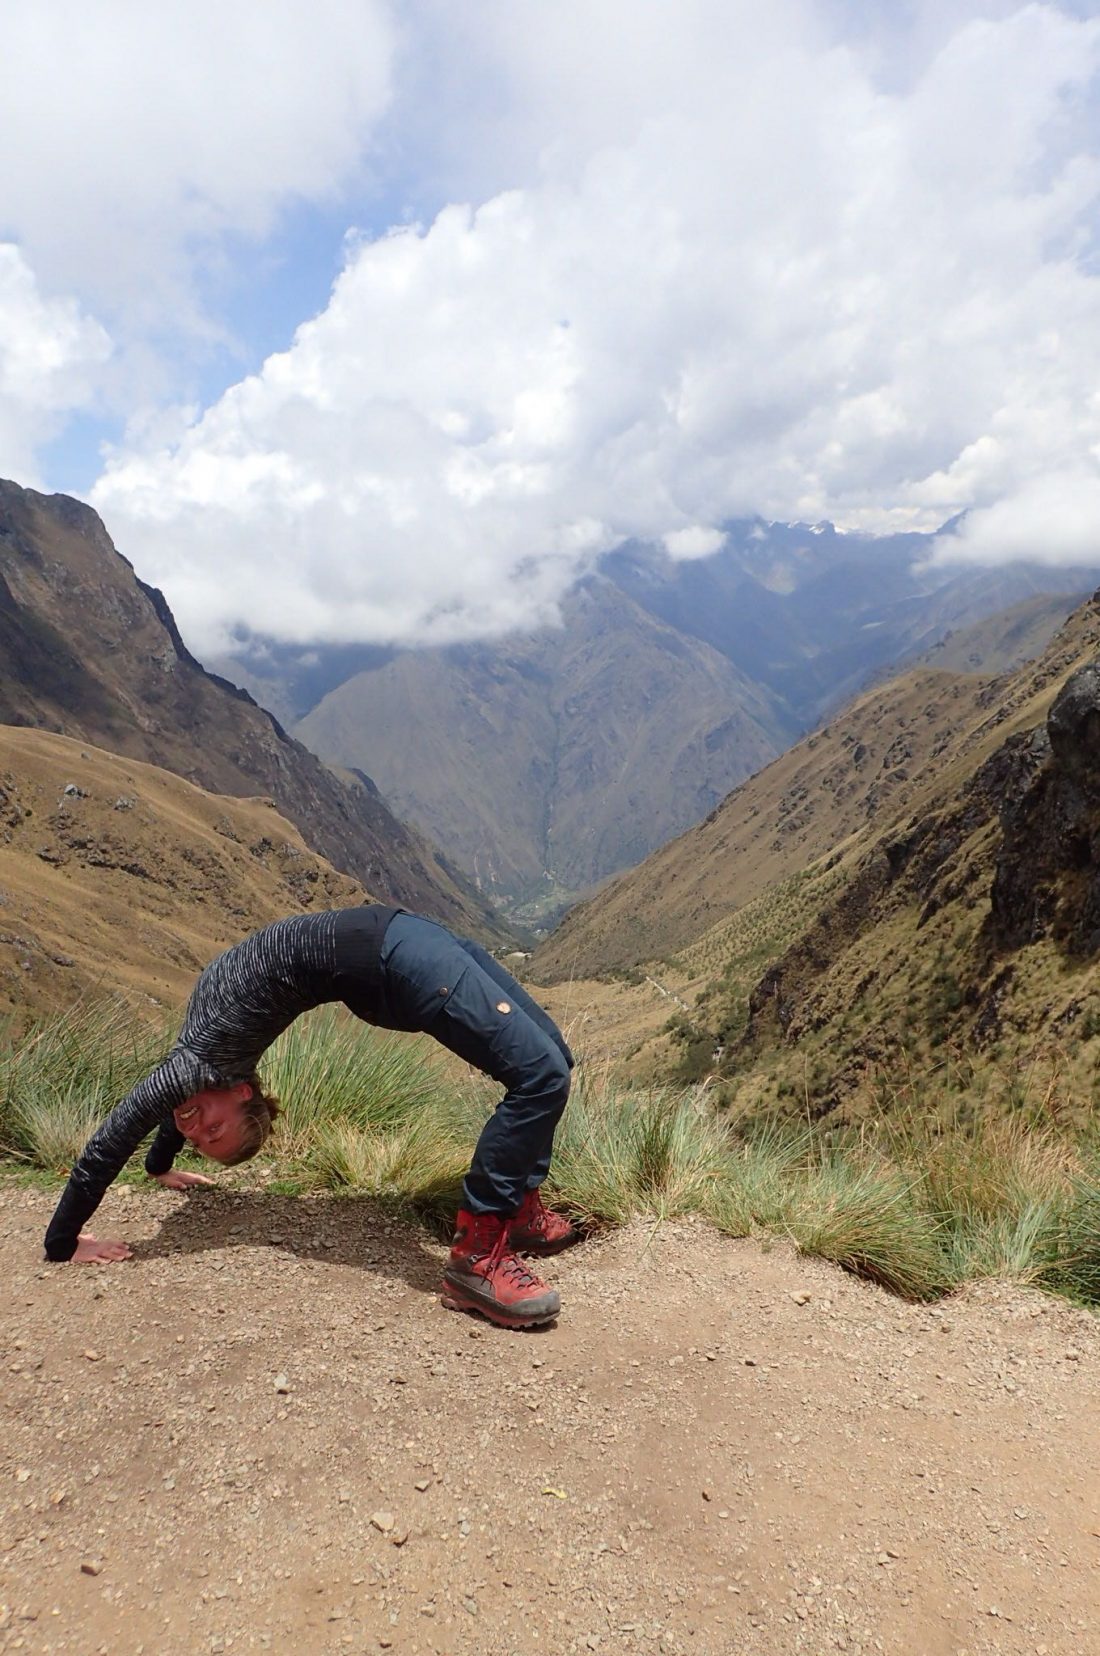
911 1200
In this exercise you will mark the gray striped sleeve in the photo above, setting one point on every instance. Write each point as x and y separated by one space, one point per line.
164 1149
241 1003
110 1147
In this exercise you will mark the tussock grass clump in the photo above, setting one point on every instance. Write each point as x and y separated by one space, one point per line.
618 1153
758 1181
60 1079
868 1220
911 1200
412 1165
370 1112
1072 1266
328 1069
1002 1191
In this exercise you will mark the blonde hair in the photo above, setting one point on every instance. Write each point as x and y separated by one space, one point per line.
257 1119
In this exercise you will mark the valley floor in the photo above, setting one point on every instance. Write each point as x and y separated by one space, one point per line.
264 1433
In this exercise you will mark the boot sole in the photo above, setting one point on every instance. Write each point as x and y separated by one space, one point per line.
458 1299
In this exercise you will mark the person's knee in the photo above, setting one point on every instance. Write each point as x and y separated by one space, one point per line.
549 1074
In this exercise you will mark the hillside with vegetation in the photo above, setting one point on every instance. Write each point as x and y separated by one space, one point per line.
843 781
88 651
897 912
118 878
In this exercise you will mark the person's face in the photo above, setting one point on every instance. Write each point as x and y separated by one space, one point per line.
211 1120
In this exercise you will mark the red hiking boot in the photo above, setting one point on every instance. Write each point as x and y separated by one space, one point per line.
537 1229
485 1274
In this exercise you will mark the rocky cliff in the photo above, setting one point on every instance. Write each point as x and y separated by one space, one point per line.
1047 867
971 928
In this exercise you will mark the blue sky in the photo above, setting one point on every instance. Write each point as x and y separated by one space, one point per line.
259 294
384 322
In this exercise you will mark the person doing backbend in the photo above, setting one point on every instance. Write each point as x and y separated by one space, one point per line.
395 970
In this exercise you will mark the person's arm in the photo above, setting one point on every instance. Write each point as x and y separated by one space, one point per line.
163 1152
164 1149
106 1154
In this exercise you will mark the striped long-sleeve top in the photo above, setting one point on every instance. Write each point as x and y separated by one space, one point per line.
240 1004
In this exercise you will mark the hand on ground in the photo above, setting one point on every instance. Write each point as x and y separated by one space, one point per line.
90 1251
180 1181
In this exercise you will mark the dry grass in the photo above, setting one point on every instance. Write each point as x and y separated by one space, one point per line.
59 1080
915 1201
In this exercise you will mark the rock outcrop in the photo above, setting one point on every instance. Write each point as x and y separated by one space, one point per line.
1047 872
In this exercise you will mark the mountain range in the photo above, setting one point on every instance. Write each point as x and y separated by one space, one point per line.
910 885
544 764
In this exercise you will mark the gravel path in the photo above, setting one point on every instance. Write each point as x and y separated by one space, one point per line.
264 1434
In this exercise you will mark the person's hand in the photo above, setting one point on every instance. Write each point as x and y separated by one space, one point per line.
180 1181
90 1251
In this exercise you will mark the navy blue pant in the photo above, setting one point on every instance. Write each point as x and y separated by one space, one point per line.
454 990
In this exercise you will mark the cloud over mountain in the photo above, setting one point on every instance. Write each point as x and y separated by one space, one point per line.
647 267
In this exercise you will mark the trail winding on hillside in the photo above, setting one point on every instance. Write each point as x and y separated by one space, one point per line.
263 1433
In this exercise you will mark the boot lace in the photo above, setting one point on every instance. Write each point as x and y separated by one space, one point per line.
539 1216
502 1260
533 1215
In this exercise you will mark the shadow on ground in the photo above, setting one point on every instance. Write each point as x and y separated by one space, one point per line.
340 1230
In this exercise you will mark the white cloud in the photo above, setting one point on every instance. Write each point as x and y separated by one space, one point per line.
50 355
1049 519
738 268
136 137
696 541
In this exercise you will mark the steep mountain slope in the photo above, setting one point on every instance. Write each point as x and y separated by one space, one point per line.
547 762
812 614
861 769
970 929
869 904
88 650
120 877
889 752
1003 642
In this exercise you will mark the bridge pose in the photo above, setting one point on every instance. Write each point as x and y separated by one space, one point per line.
395 970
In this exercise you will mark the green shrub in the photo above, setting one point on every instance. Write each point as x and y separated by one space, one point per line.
866 1220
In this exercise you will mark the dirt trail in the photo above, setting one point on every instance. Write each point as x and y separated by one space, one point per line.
718 1449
